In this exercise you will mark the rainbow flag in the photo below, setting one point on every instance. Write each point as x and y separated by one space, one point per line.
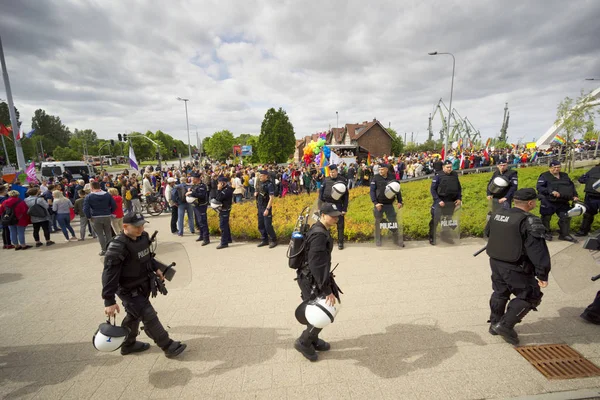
534 156
460 144
487 142
369 160
322 162
559 139
327 171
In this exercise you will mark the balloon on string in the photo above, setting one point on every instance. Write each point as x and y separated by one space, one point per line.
327 152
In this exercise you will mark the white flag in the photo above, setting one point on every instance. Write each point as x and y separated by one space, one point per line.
132 160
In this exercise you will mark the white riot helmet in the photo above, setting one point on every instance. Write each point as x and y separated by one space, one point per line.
498 185
216 205
190 199
320 314
392 189
577 210
338 190
596 186
109 337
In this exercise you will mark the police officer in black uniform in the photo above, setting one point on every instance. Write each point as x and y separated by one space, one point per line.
556 190
315 279
264 203
447 194
225 197
342 203
592 200
520 264
383 205
503 197
128 269
199 190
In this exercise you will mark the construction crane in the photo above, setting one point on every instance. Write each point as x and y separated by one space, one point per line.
504 128
461 128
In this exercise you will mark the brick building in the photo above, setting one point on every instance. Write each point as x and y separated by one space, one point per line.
361 139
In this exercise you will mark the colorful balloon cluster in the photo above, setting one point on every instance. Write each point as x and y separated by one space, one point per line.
312 151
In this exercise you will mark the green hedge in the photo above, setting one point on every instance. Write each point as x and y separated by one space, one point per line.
360 220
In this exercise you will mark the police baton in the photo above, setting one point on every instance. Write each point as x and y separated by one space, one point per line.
478 252
595 278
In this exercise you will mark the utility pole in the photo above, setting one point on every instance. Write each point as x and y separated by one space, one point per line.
11 111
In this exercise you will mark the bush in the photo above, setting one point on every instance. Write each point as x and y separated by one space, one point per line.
415 214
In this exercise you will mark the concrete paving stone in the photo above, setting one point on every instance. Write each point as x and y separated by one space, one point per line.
314 373
228 380
286 374
275 394
198 387
364 390
110 387
396 388
307 392
138 387
19 391
82 390
342 370
258 377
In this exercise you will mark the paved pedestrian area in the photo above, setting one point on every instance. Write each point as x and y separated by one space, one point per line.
412 326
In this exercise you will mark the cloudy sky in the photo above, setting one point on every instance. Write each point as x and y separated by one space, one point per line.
117 66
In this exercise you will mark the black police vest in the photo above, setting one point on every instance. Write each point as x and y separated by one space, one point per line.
201 191
562 185
448 186
328 189
593 176
263 194
135 265
380 184
505 242
508 175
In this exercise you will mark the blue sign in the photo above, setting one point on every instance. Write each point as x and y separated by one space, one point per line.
246 151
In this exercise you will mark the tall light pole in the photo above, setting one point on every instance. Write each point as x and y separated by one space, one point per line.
188 126
435 53
337 120
11 111
598 138
197 140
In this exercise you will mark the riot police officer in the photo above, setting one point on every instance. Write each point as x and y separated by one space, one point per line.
518 255
128 270
556 190
264 203
329 194
199 190
592 199
225 197
447 194
502 186
315 278
384 204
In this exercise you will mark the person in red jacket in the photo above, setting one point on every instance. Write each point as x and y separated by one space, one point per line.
117 218
20 221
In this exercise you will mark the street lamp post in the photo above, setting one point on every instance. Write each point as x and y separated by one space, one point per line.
188 126
435 53
337 120
197 140
598 138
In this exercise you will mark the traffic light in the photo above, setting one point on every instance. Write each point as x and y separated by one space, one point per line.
124 137
112 142
175 151
120 137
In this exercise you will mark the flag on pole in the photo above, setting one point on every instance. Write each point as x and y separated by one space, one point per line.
29 134
443 153
462 161
30 171
486 155
559 139
322 162
487 142
369 160
334 159
4 130
132 160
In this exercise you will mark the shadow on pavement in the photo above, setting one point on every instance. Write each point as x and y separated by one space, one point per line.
9 277
403 348
48 364
568 325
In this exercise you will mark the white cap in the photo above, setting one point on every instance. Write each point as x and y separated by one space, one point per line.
170 180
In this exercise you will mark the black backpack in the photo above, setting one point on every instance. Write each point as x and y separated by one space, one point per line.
37 210
8 216
297 249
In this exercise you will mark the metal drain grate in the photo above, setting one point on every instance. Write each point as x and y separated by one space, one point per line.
558 361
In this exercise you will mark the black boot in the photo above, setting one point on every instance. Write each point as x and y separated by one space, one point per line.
174 349
586 225
130 345
564 224
304 344
546 221
517 310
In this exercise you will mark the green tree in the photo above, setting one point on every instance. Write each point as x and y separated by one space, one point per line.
277 139
220 145
253 141
66 154
397 142
577 118
51 130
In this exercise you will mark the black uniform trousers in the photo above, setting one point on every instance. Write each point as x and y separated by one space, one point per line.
436 215
548 208
305 282
390 215
265 225
593 310
174 216
202 221
138 308
507 205
592 205
224 227
507 281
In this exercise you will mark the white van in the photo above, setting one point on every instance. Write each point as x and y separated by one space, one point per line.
57 168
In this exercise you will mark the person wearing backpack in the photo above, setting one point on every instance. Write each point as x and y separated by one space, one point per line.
39 214
5 231
14 215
